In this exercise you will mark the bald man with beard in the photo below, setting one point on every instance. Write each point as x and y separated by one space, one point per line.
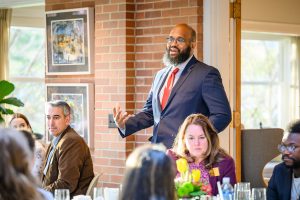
184 86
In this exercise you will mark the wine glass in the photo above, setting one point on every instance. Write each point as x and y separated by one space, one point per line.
98 193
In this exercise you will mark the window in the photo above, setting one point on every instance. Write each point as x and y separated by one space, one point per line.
270 80
27 72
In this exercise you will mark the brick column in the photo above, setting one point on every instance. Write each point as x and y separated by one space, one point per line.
114 83
129 45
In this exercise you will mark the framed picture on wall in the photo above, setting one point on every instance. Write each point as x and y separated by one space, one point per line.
79 97
70 42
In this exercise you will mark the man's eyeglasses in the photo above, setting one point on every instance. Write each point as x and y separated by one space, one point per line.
179 40
291 148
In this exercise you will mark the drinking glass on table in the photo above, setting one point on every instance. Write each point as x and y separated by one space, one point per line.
242 191
259 194
111 193
98 193
62 194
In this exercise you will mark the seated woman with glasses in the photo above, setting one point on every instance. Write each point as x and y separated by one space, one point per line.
197 141
20 122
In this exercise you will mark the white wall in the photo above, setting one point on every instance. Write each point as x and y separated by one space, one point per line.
275 11
29 16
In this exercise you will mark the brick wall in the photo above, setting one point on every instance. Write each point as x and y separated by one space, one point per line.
129 45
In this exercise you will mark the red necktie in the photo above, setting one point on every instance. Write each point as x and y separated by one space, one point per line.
168 88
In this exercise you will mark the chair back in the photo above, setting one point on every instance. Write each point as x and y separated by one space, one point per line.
259 147
93 184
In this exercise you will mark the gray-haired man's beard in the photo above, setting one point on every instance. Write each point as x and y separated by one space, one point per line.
182 57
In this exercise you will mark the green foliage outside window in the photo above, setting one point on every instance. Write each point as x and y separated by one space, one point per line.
27 72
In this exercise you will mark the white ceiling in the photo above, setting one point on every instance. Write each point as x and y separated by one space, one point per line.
20 3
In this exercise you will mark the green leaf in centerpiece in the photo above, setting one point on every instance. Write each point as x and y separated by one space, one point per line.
197 193
197 187
189 186
182 191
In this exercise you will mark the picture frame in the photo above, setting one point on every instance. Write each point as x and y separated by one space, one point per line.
70 39
80 98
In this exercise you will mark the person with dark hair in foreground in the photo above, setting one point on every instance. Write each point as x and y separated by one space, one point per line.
21 122
17 182
31 143
149 175
285 181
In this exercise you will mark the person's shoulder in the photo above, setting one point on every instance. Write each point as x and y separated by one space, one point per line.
71 136
199 65
281 170
226 160
204 67
281 166
39 146
172 154
71 133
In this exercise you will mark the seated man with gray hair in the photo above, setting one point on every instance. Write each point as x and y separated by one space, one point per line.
68 160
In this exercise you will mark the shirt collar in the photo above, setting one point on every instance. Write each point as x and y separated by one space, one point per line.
56 139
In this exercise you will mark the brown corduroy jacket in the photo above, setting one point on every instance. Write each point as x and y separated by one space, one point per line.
71 166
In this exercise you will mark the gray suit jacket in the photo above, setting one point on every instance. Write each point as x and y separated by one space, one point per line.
199 89
71 166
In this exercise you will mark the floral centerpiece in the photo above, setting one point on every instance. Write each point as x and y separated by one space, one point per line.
189 183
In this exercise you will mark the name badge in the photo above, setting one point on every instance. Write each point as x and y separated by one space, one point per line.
214 171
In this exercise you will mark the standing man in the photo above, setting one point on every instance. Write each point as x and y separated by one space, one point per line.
285 181
183 87
68 160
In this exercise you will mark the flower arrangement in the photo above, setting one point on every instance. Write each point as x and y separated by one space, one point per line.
189 183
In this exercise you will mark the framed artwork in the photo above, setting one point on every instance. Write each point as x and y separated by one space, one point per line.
79 97
70 36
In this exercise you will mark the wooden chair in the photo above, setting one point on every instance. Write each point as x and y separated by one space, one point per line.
259 147
92 185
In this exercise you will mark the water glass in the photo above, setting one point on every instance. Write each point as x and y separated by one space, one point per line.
111 193
242 191
62 194
243 195
259 194
242 186
98 193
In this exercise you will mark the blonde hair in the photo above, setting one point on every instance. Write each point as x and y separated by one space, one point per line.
214 152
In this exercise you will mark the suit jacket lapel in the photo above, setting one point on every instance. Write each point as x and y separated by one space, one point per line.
162 80
287 184
187 70
45 161
50 148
